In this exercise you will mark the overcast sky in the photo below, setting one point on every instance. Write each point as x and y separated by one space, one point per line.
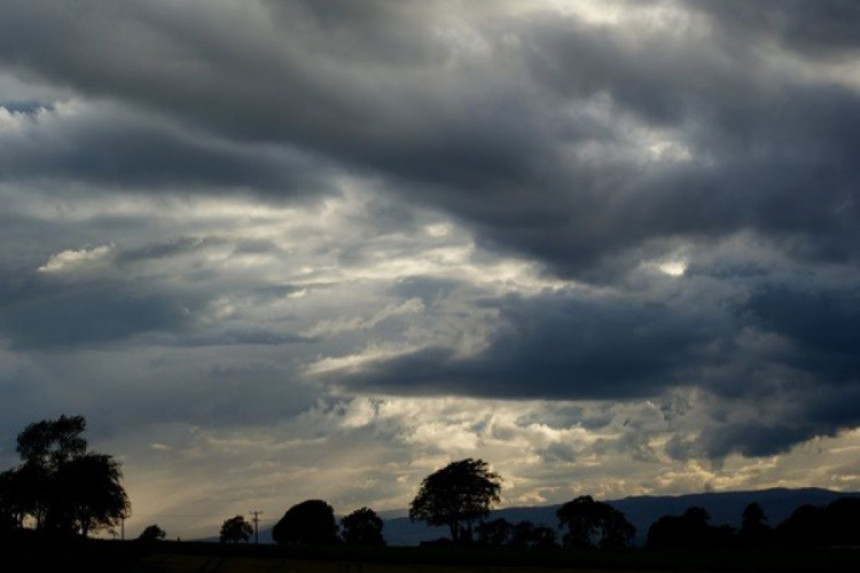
275 250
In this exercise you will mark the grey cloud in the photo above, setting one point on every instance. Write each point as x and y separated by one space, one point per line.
488 135
786 420
39 312
823 323
114 148
166 250
774 353
558 347
821 29
249 336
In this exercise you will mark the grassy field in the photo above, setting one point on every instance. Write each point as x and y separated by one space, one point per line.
172 557
197 563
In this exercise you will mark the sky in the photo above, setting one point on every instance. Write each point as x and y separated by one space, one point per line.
280 250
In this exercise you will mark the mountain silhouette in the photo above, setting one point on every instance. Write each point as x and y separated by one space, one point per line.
642 511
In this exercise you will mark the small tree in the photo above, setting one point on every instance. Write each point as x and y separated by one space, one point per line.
456 496
362 527
308 523
235 529
151 534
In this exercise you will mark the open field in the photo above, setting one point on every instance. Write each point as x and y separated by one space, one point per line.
171 557
195 563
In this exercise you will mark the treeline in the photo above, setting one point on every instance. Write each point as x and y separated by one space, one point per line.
835 525
312 523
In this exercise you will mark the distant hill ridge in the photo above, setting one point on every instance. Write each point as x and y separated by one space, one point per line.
642 511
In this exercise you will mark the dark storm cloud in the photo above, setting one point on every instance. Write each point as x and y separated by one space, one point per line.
116 149
559 346
823 29
486 137
42 312
823 325
779 423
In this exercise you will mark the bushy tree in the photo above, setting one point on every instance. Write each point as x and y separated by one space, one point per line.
362 527
455 496
235 529
843 521
526 534
151 534
308 523
688 530
495 533
587 521
542 537
62 486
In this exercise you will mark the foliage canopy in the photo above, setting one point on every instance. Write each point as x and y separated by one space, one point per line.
310 522
362 527
457 495
235 529
587 520
65 488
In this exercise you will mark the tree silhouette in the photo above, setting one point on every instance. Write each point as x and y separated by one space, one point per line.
495 533
62 486
310 522
14 498
689 530
618 533
151 534
456 496
754 531
843 521
587 520
522 535
805 526
235 529
362 527
542 537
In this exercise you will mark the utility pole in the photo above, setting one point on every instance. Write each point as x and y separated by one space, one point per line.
256 521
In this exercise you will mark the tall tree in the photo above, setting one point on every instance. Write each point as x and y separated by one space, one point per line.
457 495
89 492
62 486
754 530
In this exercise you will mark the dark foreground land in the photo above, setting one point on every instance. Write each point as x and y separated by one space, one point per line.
94 555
